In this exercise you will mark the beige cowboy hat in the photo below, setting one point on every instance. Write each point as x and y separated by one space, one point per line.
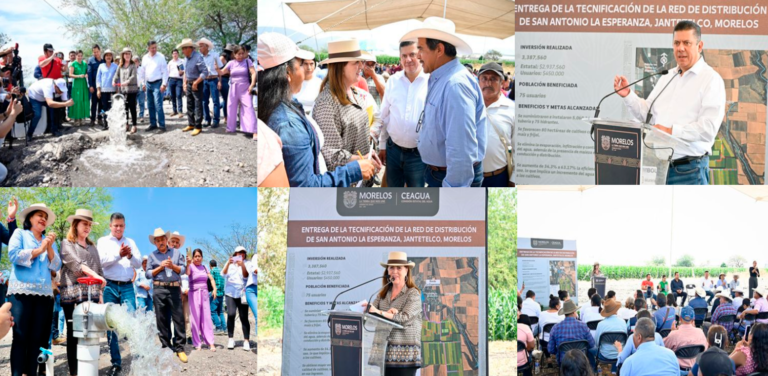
108 51
205 41
441 29
738 289
35 207
181 237
568 307
700 292
186 43
610 308
126 49
396 258
159 232
724 294
83 214
367 56
342 51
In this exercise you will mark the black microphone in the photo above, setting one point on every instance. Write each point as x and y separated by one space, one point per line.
333 305
368 307
648 116
597 110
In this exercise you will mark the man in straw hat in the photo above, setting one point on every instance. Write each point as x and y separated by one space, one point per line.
570 329
211 83
176 241
738 296
610 323
195 73
452 137
687 334
725 308
165 267
120 257
760 304
498 165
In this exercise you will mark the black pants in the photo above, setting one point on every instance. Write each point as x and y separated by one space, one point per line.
235 306
3 290
32 315
68 309
130 106
167 303
106 105
752 286
683 294
195 105
95 105
389 371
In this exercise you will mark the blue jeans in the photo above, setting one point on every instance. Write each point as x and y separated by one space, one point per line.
118 294
142 99
145 303
435 178
217 312
39 107
593 360
500 180
711 296
211 90
58 318
694 173
225 93
176 86
155 104
404 167
251 293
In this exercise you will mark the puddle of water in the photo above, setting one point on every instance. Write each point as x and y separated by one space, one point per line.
140 327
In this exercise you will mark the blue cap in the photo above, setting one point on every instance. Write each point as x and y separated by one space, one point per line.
687 313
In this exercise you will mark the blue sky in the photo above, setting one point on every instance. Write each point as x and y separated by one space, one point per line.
194 212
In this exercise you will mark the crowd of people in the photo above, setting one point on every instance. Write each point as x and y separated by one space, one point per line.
429 121
650 333
187 297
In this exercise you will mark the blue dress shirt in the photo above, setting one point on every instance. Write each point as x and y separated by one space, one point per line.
31 276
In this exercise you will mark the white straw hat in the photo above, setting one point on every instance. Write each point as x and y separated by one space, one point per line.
83 214
35 207
441 29
159 232
343 50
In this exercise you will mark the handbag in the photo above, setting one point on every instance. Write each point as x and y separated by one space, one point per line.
507 147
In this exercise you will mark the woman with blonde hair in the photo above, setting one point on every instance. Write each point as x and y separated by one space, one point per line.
126 81
340 110
80 259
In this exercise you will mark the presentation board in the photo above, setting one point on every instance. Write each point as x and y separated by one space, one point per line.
547 266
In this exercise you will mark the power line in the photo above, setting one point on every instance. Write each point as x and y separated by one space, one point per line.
57 11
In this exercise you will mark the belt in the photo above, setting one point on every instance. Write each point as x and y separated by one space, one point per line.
154 82
119 282
435 168
495 172
212 78
408 150
687 160
174 78
166 284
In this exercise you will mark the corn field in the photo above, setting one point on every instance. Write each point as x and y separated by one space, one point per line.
639 272
387 59
502 315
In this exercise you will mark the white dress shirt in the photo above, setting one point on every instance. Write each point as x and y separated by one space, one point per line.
590 314
115 267
706 283
309 91
693 106
141 76
530 307
235 282
501 114
155 68
401 107
173 68
737 302
546 318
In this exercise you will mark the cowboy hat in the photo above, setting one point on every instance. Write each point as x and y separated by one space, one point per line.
159 232
700 292
367 56
396 258
186 43
441 29
274 49
35 207
205 41
724 294
568 307
610 307
341 51
176 234
126 49
83 214
108 51
738 289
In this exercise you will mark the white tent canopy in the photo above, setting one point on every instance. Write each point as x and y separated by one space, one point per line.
488 18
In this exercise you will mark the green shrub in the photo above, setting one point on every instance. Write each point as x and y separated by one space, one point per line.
502 315
271 306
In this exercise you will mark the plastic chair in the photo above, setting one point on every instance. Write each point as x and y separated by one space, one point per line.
665 332
581 345
592 325
527 366
688 352
609 338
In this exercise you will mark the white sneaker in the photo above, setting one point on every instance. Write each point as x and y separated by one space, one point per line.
231 344
247 345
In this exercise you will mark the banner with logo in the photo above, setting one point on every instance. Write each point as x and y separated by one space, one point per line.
569 51
338 237
547 266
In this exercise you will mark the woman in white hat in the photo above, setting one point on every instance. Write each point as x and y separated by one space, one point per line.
80 259
340 110
127 84
400 302
237 274
280 80
104 86
34 257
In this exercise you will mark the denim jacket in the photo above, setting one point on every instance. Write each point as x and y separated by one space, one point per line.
301 150
31 276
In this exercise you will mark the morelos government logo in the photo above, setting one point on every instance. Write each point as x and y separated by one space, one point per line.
663 59
350 199
605 142
337 329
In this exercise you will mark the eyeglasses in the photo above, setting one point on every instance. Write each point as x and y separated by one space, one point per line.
421 121
492 79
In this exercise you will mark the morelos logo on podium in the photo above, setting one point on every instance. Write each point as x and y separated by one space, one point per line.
337 329
606 142
388 202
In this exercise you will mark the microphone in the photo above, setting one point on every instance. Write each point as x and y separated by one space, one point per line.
648 116
368 307
333 305
597 110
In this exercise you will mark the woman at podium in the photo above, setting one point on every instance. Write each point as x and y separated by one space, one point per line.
595 273
400 301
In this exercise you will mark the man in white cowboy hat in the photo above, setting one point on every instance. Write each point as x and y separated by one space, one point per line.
725 308
738 296
400 112
165 267
156 79
452 133
176 241
759 305
699 302
143 287
195 73
212 83
120 257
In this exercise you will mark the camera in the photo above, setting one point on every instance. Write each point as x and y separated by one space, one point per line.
17 73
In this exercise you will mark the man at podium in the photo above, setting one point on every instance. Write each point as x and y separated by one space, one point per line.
690 106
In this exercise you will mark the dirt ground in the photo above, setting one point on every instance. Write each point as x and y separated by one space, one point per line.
500 355
223 362
175 158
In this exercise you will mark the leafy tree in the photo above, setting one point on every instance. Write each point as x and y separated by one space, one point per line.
737 261
222 247
686 261
4 38
492 55
658 261
502 239
723 265
272 230
227 21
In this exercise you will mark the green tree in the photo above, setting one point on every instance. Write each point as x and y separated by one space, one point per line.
492 55
502 239
222 246
686 261
658 261
737 261
227 21
4 38
272 230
